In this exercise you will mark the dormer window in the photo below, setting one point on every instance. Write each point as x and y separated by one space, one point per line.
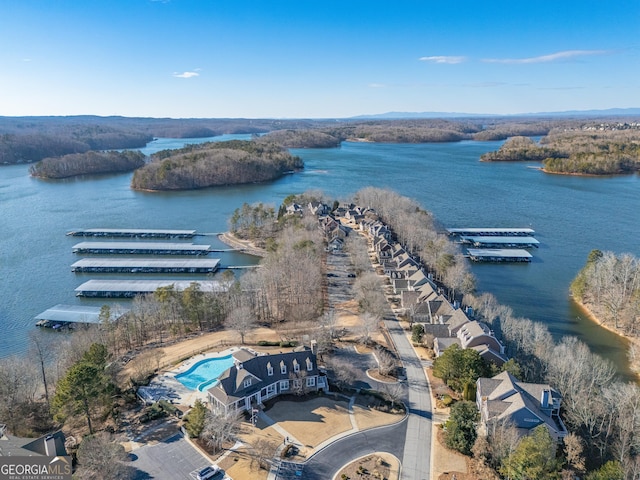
269 369
296 366
283 368
247 383
309 364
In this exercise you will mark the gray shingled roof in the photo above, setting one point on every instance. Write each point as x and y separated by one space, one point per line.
230 387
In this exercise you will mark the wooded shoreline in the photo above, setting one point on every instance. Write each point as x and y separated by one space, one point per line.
634 365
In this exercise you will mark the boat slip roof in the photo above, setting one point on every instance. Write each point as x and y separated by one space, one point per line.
147 263
145 286
139 246
78 314
499 252
497 239
491 231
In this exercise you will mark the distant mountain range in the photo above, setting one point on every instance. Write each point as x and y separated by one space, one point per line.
569 113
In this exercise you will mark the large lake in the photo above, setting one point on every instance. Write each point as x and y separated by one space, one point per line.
571 215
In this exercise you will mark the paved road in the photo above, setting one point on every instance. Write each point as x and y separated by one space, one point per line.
328 461
416 462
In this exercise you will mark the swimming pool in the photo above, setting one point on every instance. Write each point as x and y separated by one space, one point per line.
204 374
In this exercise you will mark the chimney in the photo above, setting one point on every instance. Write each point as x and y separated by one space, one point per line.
314 347
544 398
50 446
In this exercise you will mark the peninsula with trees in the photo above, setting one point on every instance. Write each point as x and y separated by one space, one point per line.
593 148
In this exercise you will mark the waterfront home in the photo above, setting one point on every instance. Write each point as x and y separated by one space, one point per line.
254 379
525 405
318 208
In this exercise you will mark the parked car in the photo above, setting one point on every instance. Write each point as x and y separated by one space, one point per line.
212 472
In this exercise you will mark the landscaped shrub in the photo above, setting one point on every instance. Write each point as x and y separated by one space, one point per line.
267 343
288 344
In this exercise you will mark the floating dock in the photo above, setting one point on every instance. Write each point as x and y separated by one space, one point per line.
141 248
499 255
132 233
132 288
132 265
501 242
64 315
491 232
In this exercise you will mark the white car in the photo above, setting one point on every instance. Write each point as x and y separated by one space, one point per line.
212 472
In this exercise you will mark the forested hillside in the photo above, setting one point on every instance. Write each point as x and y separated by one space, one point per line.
590 149
216 163
87 163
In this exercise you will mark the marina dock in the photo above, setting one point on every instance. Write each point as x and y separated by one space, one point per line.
491 232
132 288
132 233
64 315
501 242
133 265
141 248
499 255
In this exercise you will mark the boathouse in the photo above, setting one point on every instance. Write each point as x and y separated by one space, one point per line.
499 255
132 265
141 248
131 288
132 233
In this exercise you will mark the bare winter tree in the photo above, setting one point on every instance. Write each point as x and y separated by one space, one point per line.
386 362
242 321
42 354
102 456
343 372
368 327
220 428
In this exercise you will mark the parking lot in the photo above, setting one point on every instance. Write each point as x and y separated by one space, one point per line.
171 458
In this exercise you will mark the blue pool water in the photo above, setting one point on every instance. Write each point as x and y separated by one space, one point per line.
203 374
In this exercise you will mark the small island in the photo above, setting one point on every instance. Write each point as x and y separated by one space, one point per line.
215 163
89 163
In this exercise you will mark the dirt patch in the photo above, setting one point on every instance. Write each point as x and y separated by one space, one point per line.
448 464
172 354
378 465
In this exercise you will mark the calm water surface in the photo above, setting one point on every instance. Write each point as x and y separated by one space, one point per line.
571 215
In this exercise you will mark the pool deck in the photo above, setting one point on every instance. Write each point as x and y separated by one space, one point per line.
167 385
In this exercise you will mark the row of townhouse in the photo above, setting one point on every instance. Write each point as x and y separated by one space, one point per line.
501 398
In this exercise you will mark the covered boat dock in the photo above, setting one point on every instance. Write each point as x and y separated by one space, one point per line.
64 315
501 242
141 248
113 265
132 233
499 255
132 288
491 232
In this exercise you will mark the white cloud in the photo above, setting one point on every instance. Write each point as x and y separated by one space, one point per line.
186 74
552 57
443 59
377 85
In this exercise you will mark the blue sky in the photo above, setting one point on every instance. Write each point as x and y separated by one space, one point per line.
316 59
